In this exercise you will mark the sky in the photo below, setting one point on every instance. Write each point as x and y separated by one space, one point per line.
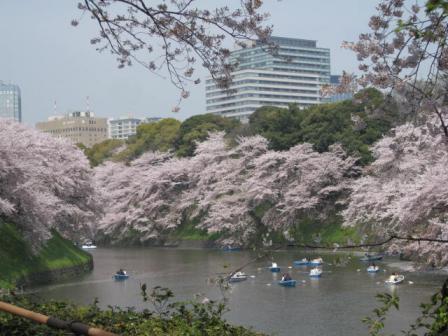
53 61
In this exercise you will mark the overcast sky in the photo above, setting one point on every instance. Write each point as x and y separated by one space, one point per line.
51 60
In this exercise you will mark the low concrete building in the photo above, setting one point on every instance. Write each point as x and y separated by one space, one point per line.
123 128
80 127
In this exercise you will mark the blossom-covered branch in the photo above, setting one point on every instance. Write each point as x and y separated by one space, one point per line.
406 50
175 35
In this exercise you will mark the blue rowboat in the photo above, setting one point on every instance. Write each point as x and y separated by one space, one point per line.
371 257
316 262
274 269
231 249
301 263
287 283
121 276
373 269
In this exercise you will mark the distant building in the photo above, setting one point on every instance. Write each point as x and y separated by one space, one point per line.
10 102
335 81
149 120
80 127
123 128
292 75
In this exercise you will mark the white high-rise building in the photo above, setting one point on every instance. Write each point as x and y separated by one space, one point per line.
293 74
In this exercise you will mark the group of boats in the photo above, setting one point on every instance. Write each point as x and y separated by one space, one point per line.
316 271
287 281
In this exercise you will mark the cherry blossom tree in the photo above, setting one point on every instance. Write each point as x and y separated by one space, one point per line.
141 200
404 191
45 184
221 187
174 36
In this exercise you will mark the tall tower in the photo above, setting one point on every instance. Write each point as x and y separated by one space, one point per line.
10 102
293 74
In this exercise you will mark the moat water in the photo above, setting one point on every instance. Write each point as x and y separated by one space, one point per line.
331 305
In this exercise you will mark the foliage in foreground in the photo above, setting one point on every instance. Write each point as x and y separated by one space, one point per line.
433 320
177 318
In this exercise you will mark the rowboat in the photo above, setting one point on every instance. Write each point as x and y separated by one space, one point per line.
395 279
88 246
315 273
274 268
121 276
231 248
303 262
371 257
316 262
238 277
287 283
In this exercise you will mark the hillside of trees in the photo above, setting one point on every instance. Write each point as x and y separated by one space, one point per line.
355 124
336 173
331 173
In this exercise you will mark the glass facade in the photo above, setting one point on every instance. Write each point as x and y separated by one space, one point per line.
335 81
291 74
10 102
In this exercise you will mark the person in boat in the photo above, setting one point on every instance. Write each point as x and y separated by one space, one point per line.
274 265
121 272
394 276
286 277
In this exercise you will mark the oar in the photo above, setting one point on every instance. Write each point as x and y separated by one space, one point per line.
53 322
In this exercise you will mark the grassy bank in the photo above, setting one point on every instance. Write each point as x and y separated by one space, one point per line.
17 260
